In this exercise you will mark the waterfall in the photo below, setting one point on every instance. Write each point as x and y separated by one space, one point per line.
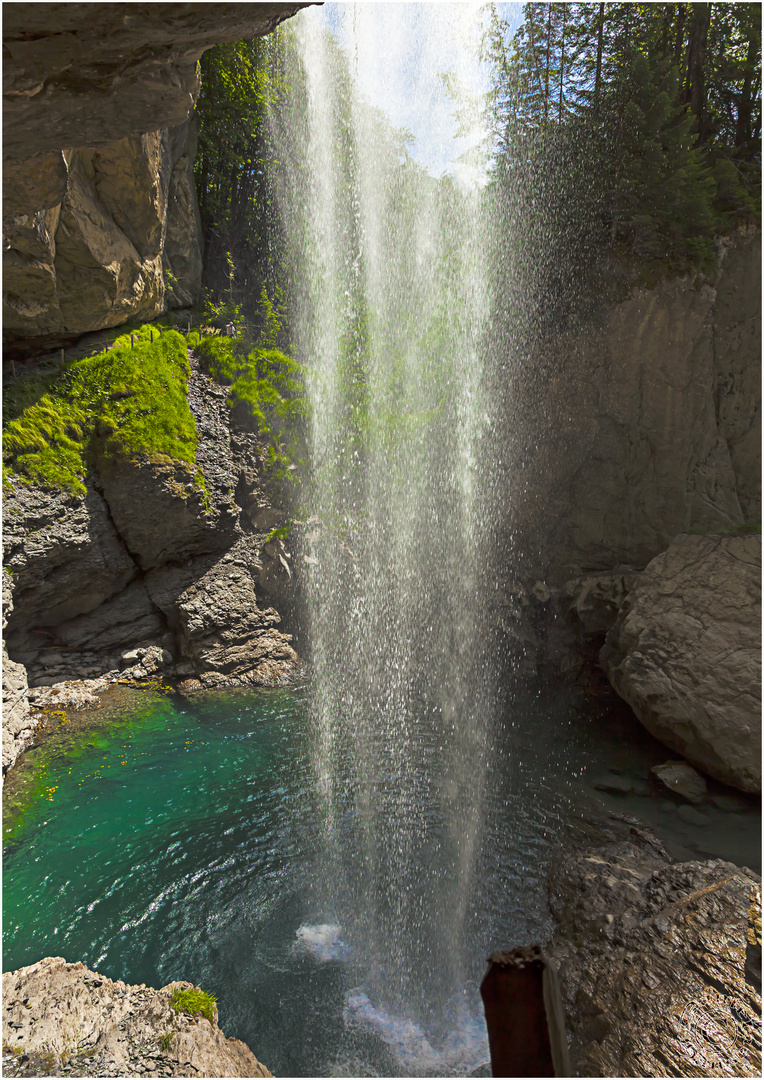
389 276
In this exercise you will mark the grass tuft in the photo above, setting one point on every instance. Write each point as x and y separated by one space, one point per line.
196 1002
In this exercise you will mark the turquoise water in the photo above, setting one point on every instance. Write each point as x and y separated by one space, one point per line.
168 838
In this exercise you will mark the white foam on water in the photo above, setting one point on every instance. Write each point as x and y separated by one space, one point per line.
322 940
462 1051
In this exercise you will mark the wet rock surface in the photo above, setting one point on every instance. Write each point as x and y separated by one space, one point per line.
686 654
681 778
657 973
642 425
62 1019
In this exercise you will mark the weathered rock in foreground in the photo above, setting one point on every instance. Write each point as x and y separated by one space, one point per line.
63 1019
686 654
652 960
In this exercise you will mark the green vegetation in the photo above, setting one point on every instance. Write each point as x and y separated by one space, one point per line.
165 1039
241 82
196 1002
266 387
745 528
127 403
266 393
280 533
624 137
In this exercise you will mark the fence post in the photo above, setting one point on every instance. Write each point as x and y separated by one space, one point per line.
524 1015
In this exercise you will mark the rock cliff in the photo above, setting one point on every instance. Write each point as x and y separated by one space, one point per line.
100 221
62 1019
144 574
642 426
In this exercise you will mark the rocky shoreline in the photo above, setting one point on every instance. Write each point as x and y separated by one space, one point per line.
63 1019
141 578
659 962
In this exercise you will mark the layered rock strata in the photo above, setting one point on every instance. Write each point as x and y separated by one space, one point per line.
62 1019
657 972
144 576
685 654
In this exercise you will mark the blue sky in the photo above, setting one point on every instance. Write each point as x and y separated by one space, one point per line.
398 49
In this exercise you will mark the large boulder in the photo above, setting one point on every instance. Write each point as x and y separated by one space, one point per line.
685 653
656 976
63 1019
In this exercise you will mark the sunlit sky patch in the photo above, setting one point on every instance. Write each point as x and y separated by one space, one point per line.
398 49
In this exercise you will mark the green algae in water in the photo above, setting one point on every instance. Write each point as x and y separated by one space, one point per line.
91 743
102 819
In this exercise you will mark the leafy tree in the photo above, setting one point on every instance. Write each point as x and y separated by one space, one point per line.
624 135
233 168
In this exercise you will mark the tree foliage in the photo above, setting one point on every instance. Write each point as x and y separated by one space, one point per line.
633 128
241 82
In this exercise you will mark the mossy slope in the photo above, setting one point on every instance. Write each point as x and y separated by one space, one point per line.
127 403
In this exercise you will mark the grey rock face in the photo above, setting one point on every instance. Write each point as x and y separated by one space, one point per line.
737 344
93 234
63 1019
641 426
128 616
64 554
652 963
686 654
79 75
213 606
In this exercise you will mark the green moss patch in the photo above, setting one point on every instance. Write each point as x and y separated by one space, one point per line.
196 1002
266 389
127 403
